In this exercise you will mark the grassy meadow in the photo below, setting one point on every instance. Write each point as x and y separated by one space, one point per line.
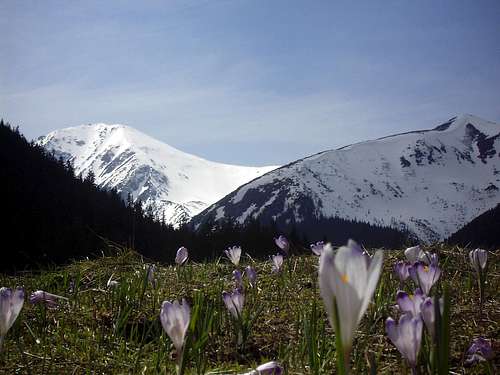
105 329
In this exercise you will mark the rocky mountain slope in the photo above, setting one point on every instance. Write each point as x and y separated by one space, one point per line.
175 184
429 182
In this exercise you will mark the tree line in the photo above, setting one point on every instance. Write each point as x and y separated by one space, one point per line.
52 216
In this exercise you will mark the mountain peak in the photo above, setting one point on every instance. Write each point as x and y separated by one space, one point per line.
430 182
461 121
176 184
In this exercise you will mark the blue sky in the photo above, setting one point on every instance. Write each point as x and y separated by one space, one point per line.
249 82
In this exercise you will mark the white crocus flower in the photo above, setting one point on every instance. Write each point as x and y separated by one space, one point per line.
413 254
234 254
175 321
347 278
181 256
478 259
11 303
277 262
269 368
416 254
234 302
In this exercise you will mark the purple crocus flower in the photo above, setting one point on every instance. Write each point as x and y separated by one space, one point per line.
234 302
175 321
234 254
410 303
181 256
429 314
282 243
478 259
251 274
277 263
401 271
48 299
11 303
406 336
317 248
424 276
269 368
479 351
238 278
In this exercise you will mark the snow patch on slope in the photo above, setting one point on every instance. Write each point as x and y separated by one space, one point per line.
431 182
175 184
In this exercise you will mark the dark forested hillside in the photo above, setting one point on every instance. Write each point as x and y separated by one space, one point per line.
480 232
51 216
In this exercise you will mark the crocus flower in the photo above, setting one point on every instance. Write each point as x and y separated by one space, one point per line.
277 262
151 274
479 351
431 259
401 271
478 259
282 243
410 302
346 279
49 299
269 368
111 283
251 274
416 254
429 314
234 254
358 249
175 321
238 278
181 256
317 248
424 276
234 302
413 254
11 303
406 336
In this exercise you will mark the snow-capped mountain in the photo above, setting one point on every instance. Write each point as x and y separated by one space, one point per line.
175 184
429 182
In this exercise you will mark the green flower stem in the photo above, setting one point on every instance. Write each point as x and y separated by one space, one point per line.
481 281
443 332
182 363
342 353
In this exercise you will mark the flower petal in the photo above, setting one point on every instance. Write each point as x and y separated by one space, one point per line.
372 280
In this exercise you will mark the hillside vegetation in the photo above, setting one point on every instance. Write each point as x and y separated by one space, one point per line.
106 329
482 231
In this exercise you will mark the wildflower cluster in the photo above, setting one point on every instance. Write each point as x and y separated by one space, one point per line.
348 279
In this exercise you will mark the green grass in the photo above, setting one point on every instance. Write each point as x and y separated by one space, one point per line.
117 330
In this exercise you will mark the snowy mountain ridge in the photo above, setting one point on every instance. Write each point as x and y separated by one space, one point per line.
430 182
175 184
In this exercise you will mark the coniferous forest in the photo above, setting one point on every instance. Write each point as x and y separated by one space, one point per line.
52 216
480 232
